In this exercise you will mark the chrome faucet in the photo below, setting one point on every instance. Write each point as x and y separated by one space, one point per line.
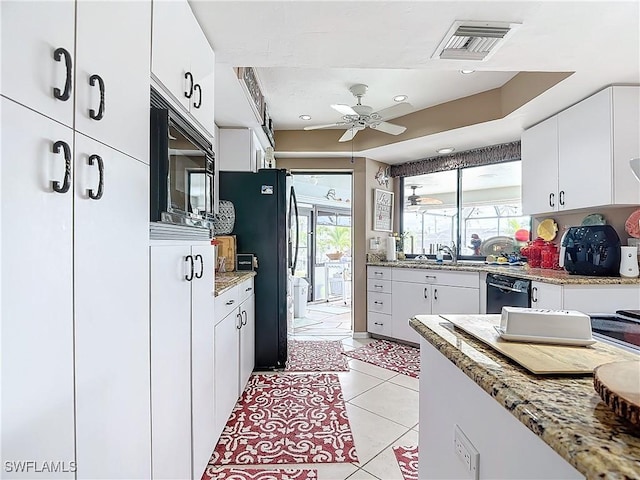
451 251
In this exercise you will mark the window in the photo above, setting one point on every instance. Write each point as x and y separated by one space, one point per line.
483 216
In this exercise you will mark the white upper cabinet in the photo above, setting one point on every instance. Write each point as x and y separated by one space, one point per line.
540 167
38 56
240 150
182 60
592 143
112 73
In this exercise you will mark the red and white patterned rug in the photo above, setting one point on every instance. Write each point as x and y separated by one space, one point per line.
390 355
316 356
408 461
218 473
287 418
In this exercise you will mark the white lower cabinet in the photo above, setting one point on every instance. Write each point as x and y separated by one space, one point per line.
546 295
409 299
182 359
234 348
454 300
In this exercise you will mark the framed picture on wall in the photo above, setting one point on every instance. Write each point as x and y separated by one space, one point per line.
382 210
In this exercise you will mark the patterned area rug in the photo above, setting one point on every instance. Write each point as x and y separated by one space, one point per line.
316 356
217 473
287 419
408 461
390 355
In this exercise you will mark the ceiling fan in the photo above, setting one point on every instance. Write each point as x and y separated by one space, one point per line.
415 200
358 117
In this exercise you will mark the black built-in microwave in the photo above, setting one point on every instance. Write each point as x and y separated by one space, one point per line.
182 168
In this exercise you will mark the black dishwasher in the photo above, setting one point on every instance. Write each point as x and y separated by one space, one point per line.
505 291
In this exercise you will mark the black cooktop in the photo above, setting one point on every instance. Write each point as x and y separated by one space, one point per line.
622 327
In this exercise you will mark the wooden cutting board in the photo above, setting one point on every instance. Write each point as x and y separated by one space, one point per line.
618 384
539 358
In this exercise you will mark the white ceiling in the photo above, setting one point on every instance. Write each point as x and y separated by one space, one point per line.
307 54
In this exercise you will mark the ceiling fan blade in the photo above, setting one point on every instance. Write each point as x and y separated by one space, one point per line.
396 110
328 125
391 128
344 109
349 134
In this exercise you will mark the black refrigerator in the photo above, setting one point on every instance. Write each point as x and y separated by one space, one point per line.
266 225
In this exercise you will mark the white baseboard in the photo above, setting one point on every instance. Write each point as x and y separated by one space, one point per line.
360 335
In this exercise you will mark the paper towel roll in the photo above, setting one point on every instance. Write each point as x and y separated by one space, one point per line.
391 249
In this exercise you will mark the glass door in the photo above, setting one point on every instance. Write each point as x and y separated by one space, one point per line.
304 268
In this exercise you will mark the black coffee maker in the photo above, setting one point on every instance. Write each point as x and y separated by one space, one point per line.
591 250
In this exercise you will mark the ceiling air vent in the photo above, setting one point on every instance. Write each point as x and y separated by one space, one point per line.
469 40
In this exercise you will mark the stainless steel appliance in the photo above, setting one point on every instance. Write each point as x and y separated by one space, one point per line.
591 250
506 291
182 169
621 329
266 225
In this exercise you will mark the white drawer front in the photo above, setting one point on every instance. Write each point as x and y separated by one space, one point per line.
226 303
440 277
380 286
245 289
379 302
379 323
379 273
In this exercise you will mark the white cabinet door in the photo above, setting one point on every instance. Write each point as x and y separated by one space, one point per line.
546 295
454 300
247 342
236 150
585 149
202 369
170 362
226 364
111 269
37 298
409 299
170 45
202 62
32 32
113 45
601 298
540 167
626 122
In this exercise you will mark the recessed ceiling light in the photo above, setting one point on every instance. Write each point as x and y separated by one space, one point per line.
305 117
445 150
400 98
466 72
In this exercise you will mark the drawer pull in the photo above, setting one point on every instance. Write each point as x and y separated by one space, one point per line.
377 302
430 276
248 289
378 273
230 302
377 323
378 286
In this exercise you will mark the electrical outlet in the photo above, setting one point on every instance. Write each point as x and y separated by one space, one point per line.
466 452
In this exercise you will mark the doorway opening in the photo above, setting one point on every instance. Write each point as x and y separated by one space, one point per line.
322 285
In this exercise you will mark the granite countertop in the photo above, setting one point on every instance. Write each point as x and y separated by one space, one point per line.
557 277
564 411
225 281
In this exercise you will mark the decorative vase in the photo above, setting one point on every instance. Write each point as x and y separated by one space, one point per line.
225 219
629 262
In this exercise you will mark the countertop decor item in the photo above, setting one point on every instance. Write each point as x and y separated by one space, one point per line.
629 261
547 229
594 219
632 225
618 384
225 219
497 245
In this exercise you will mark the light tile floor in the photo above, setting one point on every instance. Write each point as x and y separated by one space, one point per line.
382 407
325 318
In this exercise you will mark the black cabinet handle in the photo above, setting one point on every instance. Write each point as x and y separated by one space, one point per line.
534 295
245 317
189 276
562 197
67 167
551 200
199 257
376 323
377 302
248 289
378 273
199 102
92 81
189 92
435 294
230 302
239 324
58 53
97 195
425 293
378 286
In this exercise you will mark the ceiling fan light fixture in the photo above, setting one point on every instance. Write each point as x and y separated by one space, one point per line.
305 117
400 98
445 150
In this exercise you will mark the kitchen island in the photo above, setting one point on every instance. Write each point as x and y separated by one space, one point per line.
523 425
